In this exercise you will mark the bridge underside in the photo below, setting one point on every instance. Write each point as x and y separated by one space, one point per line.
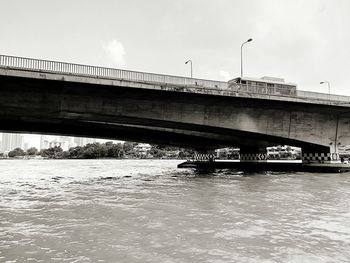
203 122
188 136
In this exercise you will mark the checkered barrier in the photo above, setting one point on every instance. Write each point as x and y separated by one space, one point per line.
203 157
320 157
253 156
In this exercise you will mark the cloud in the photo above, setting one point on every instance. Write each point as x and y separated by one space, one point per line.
225 75
116 53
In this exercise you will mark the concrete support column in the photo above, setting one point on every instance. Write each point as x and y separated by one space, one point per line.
253 154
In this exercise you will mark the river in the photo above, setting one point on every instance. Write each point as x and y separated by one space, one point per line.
150 211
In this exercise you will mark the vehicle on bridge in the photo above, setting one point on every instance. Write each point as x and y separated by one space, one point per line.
264 85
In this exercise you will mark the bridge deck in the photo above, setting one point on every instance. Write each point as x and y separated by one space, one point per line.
35 68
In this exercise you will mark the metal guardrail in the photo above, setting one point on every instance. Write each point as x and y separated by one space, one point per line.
111 73
102 72
324 96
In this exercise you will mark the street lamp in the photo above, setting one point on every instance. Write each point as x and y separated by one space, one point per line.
191 66
336 130
249 40
329 90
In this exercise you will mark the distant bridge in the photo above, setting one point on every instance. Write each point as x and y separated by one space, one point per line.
40 96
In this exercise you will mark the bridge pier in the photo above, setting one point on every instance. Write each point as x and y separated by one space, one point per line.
319 156
253 154
255 159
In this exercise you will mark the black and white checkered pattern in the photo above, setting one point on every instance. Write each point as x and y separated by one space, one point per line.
203 157
319 157
253 156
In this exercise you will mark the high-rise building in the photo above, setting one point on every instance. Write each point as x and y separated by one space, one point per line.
26 146
11 141
44 142
79 141
64 142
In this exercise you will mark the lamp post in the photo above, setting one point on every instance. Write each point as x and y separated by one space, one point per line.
336 129
249 40
191 66
329 90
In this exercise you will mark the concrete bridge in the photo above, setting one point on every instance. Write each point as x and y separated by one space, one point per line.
39 96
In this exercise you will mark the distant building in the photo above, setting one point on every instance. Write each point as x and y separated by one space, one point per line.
26 146
66 142
79 141
63 142
143 149
56 143
44 142
344 151
172 154
227 153
11 141
283 152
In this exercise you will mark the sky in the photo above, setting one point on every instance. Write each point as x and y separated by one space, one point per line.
304 42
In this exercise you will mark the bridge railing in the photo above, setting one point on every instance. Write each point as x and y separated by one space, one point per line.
103 72
324 96
201 85
289 92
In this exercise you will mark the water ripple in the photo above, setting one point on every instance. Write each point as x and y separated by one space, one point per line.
150 211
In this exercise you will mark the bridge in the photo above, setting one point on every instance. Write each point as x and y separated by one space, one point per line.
50 97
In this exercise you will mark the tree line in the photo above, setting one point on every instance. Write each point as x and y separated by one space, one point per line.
103 150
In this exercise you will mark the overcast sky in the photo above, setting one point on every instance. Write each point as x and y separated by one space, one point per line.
304 42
